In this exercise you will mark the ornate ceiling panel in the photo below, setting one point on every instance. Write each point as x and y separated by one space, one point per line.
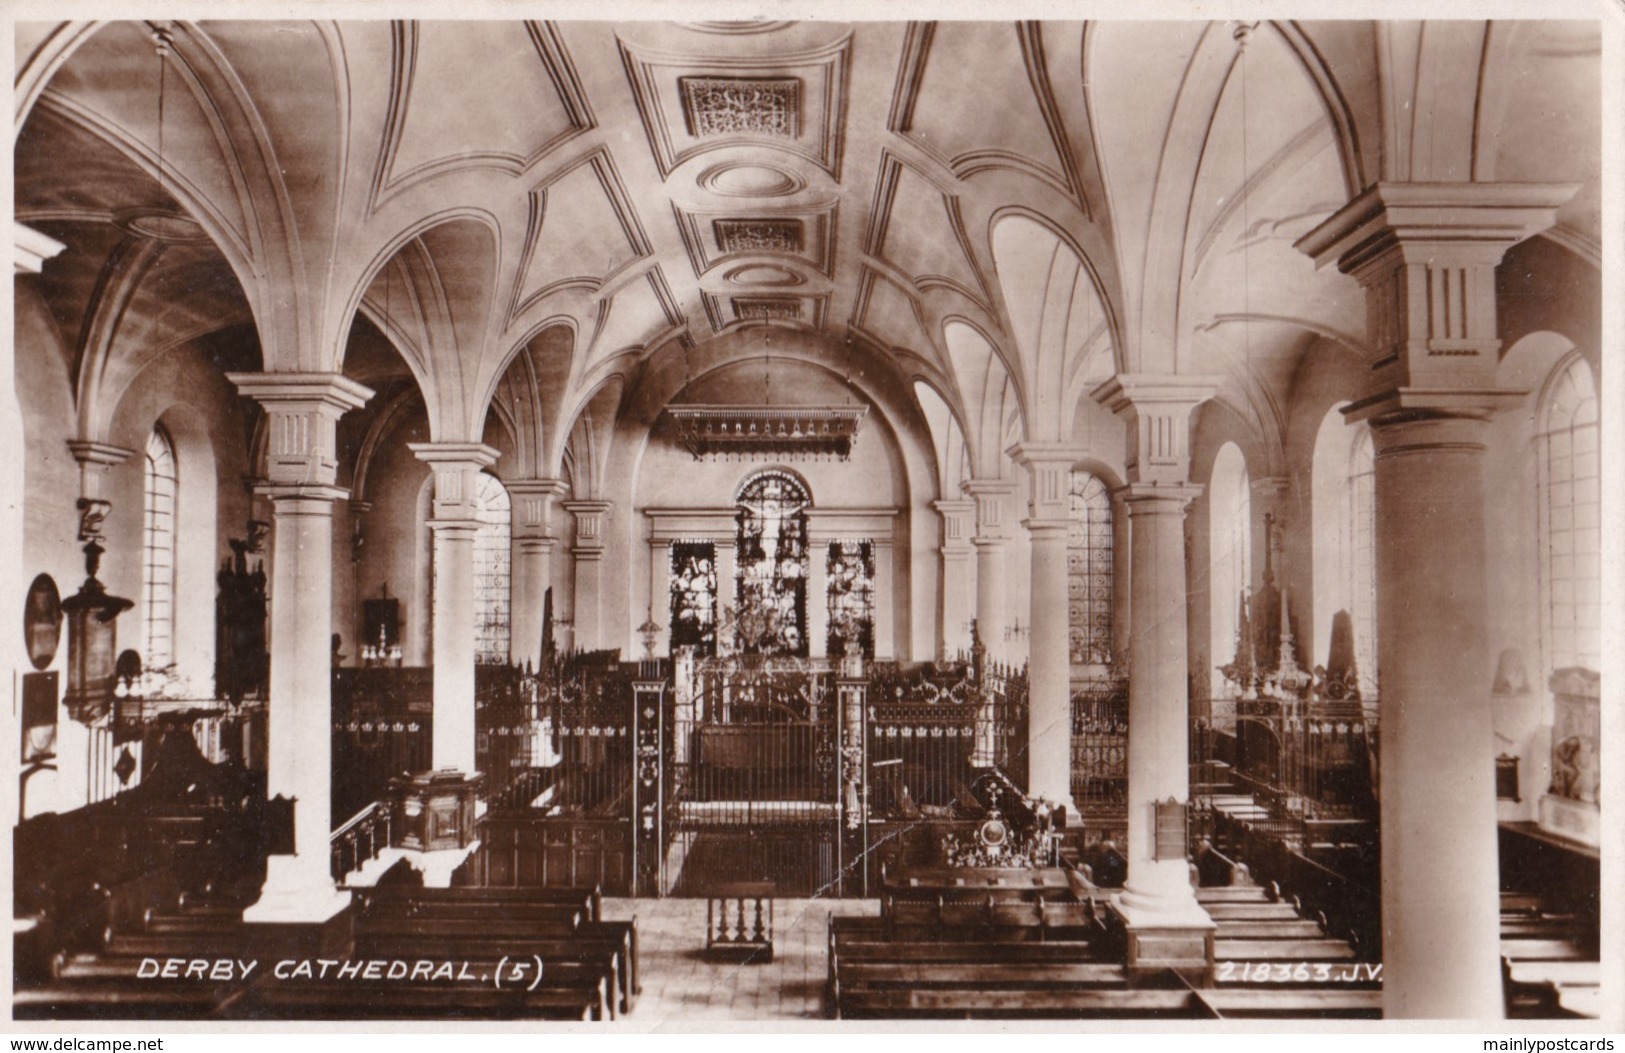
712 238
692 104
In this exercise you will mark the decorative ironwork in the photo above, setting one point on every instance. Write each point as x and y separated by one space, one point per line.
851 575
741 106
777 432
1100 742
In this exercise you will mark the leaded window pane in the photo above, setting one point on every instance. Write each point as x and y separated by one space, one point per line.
851 566
694 596
1089 565
158 552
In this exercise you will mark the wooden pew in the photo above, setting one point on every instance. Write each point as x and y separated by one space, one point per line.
383 1001
1293 1003
978 1003
606 944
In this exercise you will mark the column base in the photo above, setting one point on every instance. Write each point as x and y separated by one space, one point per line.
292 896
1166 932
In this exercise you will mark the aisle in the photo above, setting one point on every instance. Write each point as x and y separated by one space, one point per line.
679 984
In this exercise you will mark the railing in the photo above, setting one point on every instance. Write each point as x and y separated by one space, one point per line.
362 838
1100 745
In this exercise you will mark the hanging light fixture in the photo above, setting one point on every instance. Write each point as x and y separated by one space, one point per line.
766 431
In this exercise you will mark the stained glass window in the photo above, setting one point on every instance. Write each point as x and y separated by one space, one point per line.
851 568
771 612
492 555
1089 572
158 552
694 596
1569 519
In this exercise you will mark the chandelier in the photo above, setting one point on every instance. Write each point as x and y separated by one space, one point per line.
777 432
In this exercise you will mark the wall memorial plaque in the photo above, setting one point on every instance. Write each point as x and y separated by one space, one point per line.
42 621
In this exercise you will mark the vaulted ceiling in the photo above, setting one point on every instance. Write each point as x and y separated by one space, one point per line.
997 215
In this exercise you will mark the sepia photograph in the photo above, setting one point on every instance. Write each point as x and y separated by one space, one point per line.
812 524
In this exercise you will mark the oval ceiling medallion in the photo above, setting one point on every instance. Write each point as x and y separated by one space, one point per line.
750 180
763 274
162 226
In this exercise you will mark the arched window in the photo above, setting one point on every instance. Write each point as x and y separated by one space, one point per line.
771 613
1361 563
1230 547
492 545
1089 571
1571 543
158 552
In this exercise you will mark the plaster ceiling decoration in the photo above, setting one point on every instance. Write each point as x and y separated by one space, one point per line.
737 179
916 228
975 96
582 230
639 313
767 308
806 235
888 315
691 104
741 106
763 274
513 61
159 225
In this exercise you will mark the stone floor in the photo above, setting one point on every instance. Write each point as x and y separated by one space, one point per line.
680 984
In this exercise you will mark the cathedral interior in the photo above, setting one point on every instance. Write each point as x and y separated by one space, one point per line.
1026 520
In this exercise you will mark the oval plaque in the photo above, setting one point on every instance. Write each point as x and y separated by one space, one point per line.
42 621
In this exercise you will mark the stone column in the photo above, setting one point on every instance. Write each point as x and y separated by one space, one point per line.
533 543
589 553
1426 255
454 520
955 599
818 598
1167 929
1049 719
992 534
301 468
885 593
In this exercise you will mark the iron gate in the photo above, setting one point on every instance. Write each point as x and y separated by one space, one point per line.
753 776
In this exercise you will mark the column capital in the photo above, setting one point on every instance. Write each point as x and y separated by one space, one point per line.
1397 404
98 454
1145 499
1049 474
1157 409
1271 488
303 411
533 506
1426 254
989 495
589 526
958 523
33 248
456 467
